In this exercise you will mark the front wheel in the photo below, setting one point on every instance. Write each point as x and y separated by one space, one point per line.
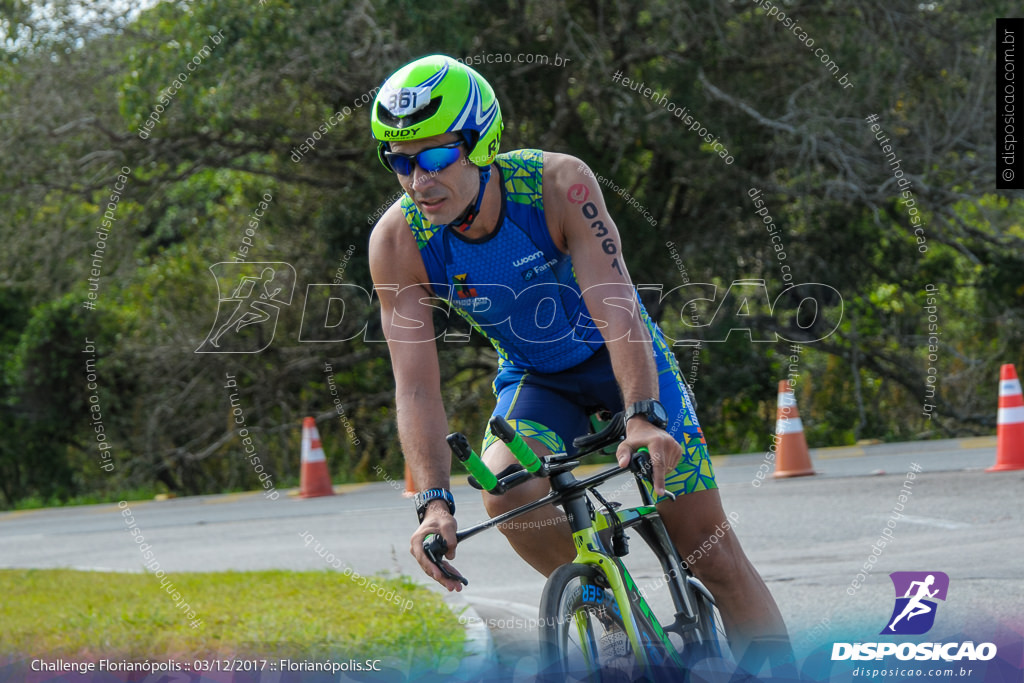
582 634
707 638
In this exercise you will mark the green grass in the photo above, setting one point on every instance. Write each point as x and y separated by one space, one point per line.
266 614
36 502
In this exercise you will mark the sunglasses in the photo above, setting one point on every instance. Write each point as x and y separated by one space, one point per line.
430 160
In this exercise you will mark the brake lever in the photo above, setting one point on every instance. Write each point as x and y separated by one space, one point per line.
641 464
435 547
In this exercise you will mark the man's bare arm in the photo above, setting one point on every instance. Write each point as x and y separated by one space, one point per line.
409 330
399 275
573 199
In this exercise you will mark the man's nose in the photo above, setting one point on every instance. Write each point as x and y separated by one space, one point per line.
421 178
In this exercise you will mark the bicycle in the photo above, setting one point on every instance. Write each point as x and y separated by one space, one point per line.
593 617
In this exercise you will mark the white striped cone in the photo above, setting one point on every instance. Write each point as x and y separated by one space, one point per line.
1009 422
788 420
792 459
314 478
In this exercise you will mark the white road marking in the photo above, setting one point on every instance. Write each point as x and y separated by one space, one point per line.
927 521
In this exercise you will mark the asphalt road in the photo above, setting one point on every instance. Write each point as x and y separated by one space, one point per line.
808 536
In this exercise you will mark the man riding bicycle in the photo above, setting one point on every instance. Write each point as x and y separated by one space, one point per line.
522 245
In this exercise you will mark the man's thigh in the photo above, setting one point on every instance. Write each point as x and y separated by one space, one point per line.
541 416
552 410
541 411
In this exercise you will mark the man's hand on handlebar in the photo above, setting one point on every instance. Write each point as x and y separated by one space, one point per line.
437 520
665 451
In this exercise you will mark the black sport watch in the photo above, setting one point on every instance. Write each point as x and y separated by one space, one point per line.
651 410
423 498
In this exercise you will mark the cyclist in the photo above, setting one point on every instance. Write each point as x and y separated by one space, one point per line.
522 245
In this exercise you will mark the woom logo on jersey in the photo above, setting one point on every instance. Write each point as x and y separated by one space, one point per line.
534 270
914 614
526 259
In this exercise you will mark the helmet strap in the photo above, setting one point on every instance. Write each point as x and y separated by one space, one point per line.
465 220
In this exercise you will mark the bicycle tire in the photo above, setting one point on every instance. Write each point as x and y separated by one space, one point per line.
707 640
602 651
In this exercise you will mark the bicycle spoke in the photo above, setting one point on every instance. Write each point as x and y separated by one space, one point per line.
588 636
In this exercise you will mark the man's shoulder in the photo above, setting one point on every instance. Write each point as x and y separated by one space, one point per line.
565 184
394 258
561 173
403 220
390 225
391 242
556 166
542 160
530 175
514 156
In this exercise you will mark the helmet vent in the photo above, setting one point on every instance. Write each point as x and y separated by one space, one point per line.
389 119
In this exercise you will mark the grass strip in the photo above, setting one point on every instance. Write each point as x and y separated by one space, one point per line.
308 615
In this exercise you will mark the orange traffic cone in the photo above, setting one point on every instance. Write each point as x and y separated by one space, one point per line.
314 479
410 485
792 458
1009 422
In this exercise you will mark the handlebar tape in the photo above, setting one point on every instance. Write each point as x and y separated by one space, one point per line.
524 454
471 461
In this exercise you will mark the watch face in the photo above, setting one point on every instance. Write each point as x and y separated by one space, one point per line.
659 412
423 498
651 410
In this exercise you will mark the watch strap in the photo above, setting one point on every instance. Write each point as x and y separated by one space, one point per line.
423 498
648 410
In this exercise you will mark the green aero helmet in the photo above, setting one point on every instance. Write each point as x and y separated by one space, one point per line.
435 95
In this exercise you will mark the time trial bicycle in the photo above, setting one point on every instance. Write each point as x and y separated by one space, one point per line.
595 623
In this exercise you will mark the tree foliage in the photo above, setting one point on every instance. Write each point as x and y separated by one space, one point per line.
81 81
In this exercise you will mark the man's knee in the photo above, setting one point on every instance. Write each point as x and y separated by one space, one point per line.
498 457
708 545
721 565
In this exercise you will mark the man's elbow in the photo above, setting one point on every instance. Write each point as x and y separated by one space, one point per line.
624 326
416 394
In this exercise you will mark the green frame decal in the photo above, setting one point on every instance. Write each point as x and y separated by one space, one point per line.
621 583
